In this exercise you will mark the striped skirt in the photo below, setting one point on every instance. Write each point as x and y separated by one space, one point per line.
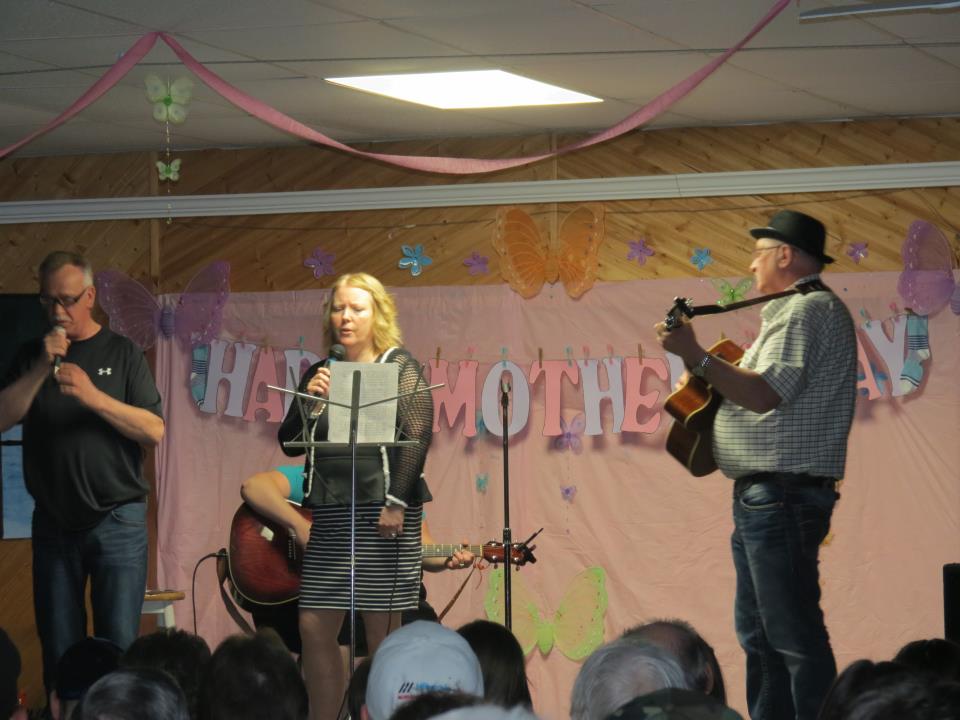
387 571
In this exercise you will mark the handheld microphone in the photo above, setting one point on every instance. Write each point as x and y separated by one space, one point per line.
60 330
336 353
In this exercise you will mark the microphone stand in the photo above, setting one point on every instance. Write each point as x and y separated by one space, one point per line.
507 533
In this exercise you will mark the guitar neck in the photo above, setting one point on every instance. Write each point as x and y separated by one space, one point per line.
430 551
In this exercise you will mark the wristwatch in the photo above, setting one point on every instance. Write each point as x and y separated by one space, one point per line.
701 367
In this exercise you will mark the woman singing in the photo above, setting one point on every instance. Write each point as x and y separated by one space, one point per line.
361 316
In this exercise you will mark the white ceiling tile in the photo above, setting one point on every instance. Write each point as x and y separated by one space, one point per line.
42 19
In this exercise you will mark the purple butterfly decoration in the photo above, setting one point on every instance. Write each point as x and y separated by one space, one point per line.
477 263
857 251
570 434
927 284
639 251
568 493
195 318
321 262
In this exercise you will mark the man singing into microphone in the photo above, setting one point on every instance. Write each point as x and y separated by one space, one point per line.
88 402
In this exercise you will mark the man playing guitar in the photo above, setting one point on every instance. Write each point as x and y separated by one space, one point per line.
781 435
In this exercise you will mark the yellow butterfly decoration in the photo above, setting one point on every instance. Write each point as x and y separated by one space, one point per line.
169 98
169 171
527 260
577 626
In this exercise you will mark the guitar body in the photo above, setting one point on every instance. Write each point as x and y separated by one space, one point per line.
694 407
264 560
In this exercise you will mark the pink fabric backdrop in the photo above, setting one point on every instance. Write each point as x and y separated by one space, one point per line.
662 537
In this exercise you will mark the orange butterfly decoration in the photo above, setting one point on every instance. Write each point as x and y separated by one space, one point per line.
527 260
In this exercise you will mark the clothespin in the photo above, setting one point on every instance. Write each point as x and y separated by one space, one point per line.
540 357
503 356
723 335
300 345
865 316
470 351
437 363
586 354
640 353
568 351
609 353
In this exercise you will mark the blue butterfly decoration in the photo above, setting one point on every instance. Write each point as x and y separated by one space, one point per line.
414 259
701 258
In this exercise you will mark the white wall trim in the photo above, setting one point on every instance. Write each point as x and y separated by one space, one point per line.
760 182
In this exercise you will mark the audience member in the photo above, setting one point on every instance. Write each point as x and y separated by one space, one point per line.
938 656
675 704
502 661
134 694
618 672
82 665
417 658
182 655
9 677
487 712
694 654
253 677
431 704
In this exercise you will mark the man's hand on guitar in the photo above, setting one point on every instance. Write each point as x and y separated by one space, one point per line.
680 341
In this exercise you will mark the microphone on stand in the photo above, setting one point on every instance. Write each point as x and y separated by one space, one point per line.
336 353
61 330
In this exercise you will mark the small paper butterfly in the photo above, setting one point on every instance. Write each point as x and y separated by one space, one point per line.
857 251
570 435
477 263
321 262
568 493
169 99
414 259
482 480
169 171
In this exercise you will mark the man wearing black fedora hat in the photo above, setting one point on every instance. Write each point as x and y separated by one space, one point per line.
781 435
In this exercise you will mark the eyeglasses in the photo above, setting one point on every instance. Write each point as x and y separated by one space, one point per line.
66 303
758 251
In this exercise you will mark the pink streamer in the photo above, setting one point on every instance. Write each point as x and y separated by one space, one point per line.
445 165
110 78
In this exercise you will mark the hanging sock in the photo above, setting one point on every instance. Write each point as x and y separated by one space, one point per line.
918 350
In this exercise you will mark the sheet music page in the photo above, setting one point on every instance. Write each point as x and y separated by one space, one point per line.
375 424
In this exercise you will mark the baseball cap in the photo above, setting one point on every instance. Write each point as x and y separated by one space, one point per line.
83 664
417 658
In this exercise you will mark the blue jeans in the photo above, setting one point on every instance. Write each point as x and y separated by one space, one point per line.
113 554
778 528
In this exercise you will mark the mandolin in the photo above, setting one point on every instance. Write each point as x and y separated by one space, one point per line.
265 561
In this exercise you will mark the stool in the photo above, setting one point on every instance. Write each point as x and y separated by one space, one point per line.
160 602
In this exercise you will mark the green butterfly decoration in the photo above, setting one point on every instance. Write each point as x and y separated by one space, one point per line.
169 171
577 626
731 293
169 98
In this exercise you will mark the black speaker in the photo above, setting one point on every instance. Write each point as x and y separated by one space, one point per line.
951 602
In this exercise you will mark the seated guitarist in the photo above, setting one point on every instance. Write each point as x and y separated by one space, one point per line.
781 435
268 493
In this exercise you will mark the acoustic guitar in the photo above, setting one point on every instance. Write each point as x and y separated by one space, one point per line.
694 404
265 562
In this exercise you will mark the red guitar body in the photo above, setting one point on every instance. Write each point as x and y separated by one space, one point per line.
264 560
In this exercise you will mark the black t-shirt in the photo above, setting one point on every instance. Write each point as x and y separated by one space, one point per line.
77 466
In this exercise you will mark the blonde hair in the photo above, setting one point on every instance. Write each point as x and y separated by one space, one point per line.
386 331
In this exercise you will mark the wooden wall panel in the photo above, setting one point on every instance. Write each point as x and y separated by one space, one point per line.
267 252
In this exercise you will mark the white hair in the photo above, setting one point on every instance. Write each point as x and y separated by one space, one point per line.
620 671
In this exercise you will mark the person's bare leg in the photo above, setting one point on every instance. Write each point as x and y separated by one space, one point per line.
322 664
378 624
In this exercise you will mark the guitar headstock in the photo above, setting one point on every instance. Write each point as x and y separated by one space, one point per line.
682 308
520 554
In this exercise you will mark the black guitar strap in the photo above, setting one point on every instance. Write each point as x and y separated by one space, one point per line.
807 287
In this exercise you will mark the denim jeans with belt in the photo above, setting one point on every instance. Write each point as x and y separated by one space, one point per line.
780 520
113 554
